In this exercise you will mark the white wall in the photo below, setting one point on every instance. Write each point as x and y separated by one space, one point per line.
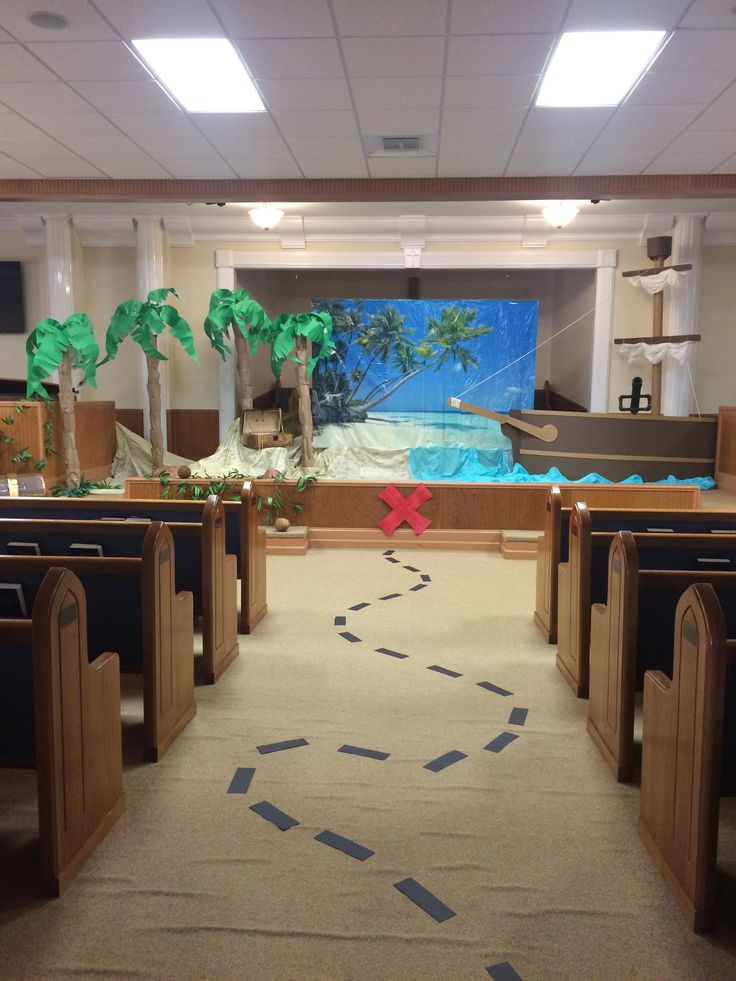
572 348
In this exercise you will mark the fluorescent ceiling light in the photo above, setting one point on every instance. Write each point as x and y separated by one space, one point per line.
597 68
201 74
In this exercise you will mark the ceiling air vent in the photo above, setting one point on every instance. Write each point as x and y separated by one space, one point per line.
402 144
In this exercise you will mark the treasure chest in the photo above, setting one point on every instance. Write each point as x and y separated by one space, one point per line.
263 428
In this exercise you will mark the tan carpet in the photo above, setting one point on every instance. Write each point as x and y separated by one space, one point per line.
534 848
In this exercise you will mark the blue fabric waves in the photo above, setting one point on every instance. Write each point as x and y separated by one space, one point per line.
492 467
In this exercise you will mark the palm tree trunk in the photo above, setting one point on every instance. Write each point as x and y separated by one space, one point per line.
365 405
154 404
242 363
305 403
68 423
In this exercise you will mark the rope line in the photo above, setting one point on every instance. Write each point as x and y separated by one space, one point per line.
532 351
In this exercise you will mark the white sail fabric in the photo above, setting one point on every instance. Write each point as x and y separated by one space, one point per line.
657 282
656 353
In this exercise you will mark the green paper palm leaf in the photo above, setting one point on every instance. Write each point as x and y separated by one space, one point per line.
236 309
144 320
50 341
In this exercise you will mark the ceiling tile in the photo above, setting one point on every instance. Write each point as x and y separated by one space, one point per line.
124 165
28 97
339 147
482 121
74 167
671 162
264 18
602 15
164 18
472 145
397 93
258 148
329 167
397 57
402 167
668 88
573 121
19 65
501 17
14 127
387 18
125 96
66 125
543 165
199 168
274 169
13 169
710 141
489 90
692 51
507 54
531 143
305 93
465 166
721 114
727 167
600 162
184 149
337 123
709 14
88 61
31 151
83 21
236 124
165 125
292 58
399 122
631 123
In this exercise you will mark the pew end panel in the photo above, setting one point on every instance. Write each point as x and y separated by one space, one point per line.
76 716
168 645
253 601
220 588
612 661
548 558
681 755
573 617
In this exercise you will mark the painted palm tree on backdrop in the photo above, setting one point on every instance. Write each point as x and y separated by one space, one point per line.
144 321
235 313
446 340
290 335
54 346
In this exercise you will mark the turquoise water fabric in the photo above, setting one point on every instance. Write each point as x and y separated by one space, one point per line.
467 464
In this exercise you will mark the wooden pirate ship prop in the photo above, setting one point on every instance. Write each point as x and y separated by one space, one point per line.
636 440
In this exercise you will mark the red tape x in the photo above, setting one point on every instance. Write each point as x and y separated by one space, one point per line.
404 509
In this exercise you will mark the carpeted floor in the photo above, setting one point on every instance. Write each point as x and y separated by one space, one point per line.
533 846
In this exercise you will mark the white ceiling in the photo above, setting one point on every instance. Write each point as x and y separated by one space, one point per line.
75 103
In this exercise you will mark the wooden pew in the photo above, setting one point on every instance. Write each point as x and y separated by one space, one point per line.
631 634
681 754
74 720
583 578
553 544
132 606
245 537
202 566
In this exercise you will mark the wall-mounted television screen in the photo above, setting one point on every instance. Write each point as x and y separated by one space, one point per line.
12 313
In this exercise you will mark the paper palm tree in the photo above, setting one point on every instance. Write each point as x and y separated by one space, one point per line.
238 312
54 346
291 333
144 320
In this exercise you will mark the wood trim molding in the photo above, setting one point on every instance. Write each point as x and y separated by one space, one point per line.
375 189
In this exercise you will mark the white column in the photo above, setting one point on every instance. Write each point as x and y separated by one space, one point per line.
602 329
59 284
682 312
226 381
150 268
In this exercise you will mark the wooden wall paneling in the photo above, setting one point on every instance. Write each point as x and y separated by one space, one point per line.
192 433
132 419
726 448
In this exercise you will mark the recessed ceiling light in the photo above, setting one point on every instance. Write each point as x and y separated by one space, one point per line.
201 74
51 22
597 68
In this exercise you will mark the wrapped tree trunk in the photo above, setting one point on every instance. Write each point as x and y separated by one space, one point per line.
305 402
245 389
68 423
154 404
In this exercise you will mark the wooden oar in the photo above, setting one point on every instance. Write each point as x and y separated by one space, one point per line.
546 433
